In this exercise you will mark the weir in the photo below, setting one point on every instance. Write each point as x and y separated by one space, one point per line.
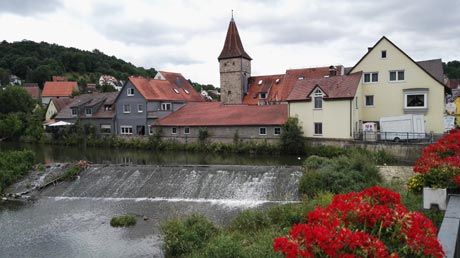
218 183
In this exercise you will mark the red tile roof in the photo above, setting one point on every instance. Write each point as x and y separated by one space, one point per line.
59 89
453 83
174 87
335 87
218 114
233 46
33 91
279 91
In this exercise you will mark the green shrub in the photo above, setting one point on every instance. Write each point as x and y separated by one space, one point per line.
123 221
339 175
292 140
14 165
223 246
250 221
262 244
182 237
325 151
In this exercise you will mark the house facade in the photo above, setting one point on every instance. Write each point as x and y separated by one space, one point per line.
326 107
223 122
55 106
142 101
393 84
97 110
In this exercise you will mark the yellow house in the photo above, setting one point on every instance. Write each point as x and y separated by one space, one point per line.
326 107
393 84
457 108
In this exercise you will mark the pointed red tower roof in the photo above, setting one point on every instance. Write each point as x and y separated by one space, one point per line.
233 46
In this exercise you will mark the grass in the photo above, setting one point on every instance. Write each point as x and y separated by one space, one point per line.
123 221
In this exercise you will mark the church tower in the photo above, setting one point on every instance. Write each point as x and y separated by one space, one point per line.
235 68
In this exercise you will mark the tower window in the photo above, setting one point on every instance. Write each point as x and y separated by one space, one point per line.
229 92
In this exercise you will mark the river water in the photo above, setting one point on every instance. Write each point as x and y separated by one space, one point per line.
72 219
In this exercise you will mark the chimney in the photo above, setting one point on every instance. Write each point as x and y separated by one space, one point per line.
332 71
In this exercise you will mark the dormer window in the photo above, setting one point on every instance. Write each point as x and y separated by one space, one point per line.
318 99
187 92
88 111
260 82
74 112
263 95
301 78
130 92
277 81
166 106
176 91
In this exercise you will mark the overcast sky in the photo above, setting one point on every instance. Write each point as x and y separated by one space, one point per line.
187 36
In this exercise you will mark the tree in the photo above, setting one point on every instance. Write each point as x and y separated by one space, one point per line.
15 99
4 77
12 126
292 140
41 74
452 69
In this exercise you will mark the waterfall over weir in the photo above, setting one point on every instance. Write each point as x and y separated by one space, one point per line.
216 183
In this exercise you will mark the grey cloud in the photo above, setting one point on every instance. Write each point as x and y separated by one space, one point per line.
144 33
29 7
162 58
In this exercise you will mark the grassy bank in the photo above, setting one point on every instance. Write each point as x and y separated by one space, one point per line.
13 166
251 233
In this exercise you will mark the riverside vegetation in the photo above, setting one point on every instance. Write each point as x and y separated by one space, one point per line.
13 166
251 233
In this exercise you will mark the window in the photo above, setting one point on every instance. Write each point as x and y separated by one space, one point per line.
88 111
370 101
166 106
174 130
384 54
126 108
318 128
105 129
74 111
263 95
187 130
416 100
318 99
277 131
356 103
396 76
140 108
130 91
126 129
262 131
176 91
371 77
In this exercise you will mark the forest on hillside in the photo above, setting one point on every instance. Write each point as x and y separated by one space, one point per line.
38 62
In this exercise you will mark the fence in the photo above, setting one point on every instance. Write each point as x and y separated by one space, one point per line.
396 137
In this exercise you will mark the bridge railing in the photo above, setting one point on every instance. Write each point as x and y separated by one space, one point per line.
448 234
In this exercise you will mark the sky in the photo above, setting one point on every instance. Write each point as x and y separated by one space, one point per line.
188 36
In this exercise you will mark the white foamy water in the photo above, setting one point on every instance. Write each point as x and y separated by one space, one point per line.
222 202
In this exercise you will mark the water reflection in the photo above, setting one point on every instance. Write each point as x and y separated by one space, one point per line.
56 153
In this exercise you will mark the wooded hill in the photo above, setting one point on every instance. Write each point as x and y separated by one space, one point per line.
37 62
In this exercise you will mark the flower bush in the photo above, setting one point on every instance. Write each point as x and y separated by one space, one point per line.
370 223
439 165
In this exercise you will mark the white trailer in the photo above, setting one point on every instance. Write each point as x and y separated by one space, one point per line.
405 127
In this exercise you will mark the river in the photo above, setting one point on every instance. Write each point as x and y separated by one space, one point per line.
72 219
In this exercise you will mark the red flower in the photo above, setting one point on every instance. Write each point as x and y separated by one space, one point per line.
363 224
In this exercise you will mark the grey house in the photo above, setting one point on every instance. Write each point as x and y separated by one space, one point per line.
143 101
97 109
